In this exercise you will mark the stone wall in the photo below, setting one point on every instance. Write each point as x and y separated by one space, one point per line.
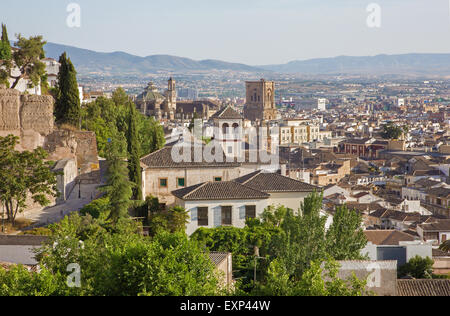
79 145
29 117
36 113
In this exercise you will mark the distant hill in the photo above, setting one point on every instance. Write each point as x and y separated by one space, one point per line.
437 64
120 63
88 62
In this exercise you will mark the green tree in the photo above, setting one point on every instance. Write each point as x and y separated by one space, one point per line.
118 187
120 97
152 136
28 60
274 215
302 239
98 209
345 238
392 131
18 281
67 105
24 174
320 279
418 268
5 46
110 117
134 162
130 264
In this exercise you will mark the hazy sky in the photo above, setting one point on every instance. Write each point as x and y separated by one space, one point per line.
247 31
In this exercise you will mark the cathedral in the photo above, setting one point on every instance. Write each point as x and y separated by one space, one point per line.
260 101
152 103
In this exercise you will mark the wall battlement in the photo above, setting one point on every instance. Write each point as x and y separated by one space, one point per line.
20 113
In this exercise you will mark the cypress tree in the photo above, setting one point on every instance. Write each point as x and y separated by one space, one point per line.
134 163
67 107
5 46
118 187
4 34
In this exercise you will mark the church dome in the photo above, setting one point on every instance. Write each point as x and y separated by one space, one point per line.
150 93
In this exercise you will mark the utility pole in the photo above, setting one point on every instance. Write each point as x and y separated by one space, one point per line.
79 183
3 219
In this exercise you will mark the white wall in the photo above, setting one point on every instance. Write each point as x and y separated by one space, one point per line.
290 200
215 212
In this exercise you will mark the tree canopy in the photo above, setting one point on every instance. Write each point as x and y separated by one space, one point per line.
118 188
27 58
392 131
24 174
67 105
110 119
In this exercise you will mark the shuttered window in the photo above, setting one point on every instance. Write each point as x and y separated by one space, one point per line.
250 211
202 217
226 215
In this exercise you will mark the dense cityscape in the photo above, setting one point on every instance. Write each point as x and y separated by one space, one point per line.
220 180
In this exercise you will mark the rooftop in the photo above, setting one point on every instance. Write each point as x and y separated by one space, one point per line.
274 182
228 190
423 287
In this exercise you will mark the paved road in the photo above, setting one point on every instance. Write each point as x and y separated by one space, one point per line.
48 215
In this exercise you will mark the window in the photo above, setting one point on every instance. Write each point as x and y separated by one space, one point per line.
181 182
226 215
225 128
163 183
218 179
250 211
202 217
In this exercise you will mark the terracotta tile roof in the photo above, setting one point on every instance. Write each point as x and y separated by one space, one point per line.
387 237
218 257
440 225
227 113
360 194
228 190
274 182
441 192
423 287
380 213
163 159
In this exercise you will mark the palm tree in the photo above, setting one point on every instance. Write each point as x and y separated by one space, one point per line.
445 246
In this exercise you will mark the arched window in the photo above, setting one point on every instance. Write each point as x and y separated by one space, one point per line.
225 128
235 128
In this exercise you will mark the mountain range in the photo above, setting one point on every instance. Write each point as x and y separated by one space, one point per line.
120 63
91 62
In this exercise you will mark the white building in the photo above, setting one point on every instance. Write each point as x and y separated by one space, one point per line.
230 203
322 104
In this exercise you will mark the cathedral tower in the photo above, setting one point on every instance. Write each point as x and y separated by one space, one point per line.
260 101
171 99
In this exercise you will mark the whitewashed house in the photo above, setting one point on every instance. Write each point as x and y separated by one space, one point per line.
230 203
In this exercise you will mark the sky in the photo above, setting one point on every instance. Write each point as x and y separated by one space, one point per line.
254 32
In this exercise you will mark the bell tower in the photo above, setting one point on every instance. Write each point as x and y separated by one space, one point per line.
171 99
260 101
